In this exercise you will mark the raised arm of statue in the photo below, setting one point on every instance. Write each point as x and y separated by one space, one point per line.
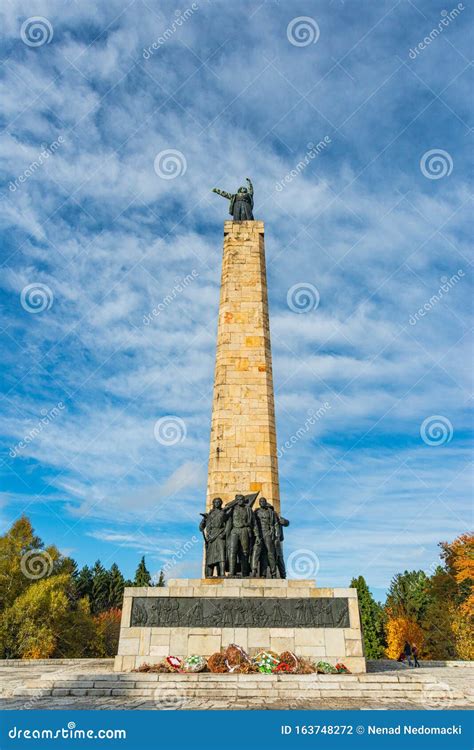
224 193
250 188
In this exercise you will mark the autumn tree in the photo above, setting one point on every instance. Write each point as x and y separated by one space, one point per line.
46 621
399 630
459 560
23 560
107 631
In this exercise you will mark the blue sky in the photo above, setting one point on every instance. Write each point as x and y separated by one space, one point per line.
375 222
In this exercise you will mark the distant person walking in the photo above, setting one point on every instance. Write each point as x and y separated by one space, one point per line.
414 651
408 652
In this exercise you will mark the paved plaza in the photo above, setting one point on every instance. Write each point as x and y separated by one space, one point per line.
76 684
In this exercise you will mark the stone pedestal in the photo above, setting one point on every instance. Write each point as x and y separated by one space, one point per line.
243 448
202 616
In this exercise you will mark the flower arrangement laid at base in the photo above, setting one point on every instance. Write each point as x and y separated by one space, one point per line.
235 660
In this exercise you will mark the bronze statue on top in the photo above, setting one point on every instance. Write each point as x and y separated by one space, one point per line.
243 542
241 202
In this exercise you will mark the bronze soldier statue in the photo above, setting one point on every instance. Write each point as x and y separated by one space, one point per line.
213 527
240 534
264 550
241 202
279 537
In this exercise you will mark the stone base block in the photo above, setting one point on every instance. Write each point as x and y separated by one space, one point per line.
202 616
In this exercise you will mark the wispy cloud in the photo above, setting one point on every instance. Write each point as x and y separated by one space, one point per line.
109 237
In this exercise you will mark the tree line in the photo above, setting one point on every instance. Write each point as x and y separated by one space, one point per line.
51 609
436 612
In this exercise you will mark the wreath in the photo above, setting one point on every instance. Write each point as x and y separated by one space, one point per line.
291 661
216 663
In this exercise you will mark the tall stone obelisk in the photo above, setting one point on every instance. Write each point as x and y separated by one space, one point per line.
243 447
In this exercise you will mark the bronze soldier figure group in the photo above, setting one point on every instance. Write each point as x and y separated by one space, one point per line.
243 542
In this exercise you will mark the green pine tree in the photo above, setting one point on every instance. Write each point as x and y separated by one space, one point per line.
99 599
116 587
161 579
372 616
408 595
142 574
83 581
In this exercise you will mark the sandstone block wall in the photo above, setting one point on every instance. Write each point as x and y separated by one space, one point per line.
243 447
148 644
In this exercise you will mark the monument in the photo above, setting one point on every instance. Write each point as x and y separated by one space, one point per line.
244 596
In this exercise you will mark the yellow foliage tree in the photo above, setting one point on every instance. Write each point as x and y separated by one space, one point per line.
46 621
459 557
399 630
463 634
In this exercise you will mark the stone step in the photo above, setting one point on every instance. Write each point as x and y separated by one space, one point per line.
174 687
